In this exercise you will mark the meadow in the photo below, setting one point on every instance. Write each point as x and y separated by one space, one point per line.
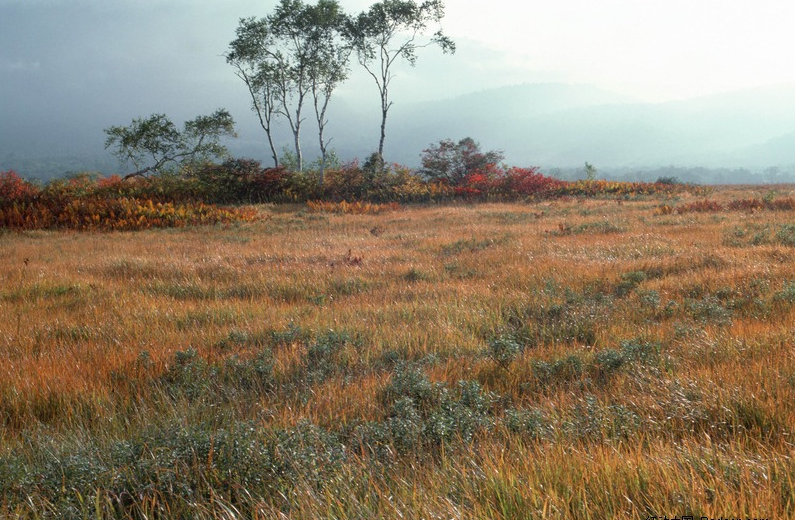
603 357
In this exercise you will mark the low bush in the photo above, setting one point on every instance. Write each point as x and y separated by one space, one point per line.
422 413
749 205
120 214
504 349
594 420
178 198
700 206
191 377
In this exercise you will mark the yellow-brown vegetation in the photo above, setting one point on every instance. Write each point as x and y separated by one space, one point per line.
577 358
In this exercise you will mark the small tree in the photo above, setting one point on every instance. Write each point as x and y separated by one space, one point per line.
154 142
452 162
590 171
389 30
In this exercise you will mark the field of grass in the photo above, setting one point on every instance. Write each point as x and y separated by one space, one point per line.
581 358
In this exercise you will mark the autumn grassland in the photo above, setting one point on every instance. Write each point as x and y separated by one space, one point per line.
578 358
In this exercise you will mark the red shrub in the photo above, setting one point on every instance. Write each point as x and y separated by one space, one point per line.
746 205
529 182
785 204
269 184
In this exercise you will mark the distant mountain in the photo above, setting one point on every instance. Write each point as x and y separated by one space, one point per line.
500 118
564 125
548 125
520 101
777 151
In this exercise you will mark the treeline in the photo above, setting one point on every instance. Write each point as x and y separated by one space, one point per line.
195 194
689 174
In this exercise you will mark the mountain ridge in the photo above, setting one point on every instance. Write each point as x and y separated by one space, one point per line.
544 124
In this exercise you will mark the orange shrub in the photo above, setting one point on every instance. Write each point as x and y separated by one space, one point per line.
351 208
120 214
700 206
14 189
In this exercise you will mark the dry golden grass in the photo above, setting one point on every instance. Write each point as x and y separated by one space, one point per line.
701 426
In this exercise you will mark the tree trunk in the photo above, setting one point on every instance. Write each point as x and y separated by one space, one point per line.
299 159
273 151
383 135
384 111
322 167
322 155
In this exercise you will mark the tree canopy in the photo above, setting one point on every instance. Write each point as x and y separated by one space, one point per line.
152 143
452 162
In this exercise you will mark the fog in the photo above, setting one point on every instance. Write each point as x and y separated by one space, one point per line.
619 83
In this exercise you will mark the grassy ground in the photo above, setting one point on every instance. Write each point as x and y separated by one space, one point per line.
569 359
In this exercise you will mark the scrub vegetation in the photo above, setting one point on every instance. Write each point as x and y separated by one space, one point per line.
574 357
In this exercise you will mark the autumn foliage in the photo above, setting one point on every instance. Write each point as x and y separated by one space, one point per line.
84 204
191 196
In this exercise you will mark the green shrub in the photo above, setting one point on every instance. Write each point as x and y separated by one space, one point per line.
575 320
641 351
416 275
567 369
324 357
504 349
786 235
292 334
591 419
528 423
409 381
786 294
191 377
432 414
649 299
405 425
708 309
629 281
608 361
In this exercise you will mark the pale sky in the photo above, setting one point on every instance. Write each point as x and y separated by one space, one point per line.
655 50
652 50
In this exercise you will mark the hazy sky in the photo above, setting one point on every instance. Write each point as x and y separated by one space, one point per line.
101 62
653 50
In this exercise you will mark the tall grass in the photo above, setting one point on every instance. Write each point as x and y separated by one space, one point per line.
462 362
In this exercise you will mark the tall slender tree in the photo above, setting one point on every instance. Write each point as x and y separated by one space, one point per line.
324 24
293 55
393 29
291 52
249 54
